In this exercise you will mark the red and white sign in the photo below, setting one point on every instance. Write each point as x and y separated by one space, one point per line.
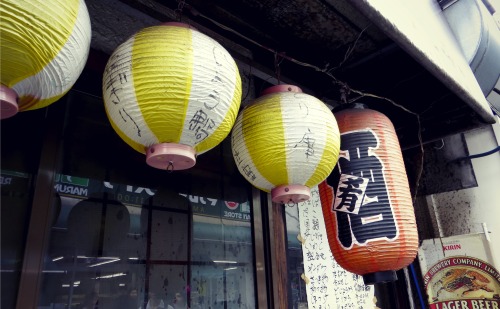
458 272
232 205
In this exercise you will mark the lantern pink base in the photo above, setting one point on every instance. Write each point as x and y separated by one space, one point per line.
171 156
290 194
8 102
281 88
178 24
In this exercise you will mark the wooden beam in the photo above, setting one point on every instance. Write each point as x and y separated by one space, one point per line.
279 254
41 212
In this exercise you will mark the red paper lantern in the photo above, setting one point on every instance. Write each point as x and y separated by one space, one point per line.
366 200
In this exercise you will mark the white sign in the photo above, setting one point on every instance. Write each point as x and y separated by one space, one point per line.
328 285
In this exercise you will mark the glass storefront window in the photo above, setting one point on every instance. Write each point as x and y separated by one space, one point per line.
297 297
131 236
20 154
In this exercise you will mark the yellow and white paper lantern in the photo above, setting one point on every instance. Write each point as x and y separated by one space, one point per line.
286 142
44 47
171 92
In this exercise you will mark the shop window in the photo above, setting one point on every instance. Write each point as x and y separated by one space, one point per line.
131 236
297 296
21 145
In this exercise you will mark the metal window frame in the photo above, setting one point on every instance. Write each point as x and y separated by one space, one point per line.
41 211
38 235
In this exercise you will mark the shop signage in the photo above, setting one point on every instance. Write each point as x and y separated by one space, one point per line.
79 187
458 272
9 177
15 184
84 187
137 196
328 284
219 208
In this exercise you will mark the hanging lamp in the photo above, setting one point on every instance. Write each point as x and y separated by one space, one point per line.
171 93
366 201
285 142
44 46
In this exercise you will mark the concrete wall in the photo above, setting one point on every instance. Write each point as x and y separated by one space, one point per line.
464 211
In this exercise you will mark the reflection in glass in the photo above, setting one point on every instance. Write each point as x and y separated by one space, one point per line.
130 236
297 289
21 144
14 212
223 277
105 253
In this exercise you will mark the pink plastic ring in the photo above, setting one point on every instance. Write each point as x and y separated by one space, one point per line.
8 102
281 88
171 156
285 194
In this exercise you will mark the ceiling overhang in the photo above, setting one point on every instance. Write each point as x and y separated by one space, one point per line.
323 46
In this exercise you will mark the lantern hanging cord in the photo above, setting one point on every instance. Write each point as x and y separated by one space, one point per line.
170 166
180 7
278 59
328 71
249 85
344 93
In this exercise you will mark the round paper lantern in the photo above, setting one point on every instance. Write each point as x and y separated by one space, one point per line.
44 47
171 92
285 142
366 201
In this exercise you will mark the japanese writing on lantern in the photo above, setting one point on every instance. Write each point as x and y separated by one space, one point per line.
350 193
307 142
362 205
118 73
246 169
330 286
202 123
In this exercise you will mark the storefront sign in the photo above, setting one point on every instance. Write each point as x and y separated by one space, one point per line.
219 208
14 184
458 272
79 187
10 177
328 285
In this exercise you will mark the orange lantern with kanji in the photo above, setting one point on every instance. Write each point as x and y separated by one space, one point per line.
366 201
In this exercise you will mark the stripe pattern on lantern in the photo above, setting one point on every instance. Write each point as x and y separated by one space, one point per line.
285 138
171 84
44 48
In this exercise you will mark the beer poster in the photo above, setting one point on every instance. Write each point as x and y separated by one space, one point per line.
459 273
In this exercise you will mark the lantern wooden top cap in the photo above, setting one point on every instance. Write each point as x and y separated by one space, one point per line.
178 24
281 88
